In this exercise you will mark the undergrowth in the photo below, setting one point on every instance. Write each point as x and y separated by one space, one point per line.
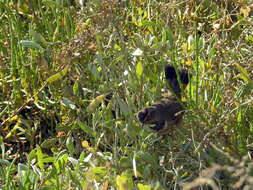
75 73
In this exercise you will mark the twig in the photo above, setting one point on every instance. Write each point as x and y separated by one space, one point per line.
17 111
205 137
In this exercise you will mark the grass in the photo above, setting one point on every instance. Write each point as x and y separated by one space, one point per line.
73 77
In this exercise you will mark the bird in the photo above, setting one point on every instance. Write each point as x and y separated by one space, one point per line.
165 115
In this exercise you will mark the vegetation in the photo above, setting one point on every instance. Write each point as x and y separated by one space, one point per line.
74 75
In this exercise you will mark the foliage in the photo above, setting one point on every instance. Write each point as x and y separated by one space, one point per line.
73 75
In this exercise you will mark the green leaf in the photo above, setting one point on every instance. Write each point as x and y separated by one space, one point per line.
22 172
235 33
5 162
147 158
8 174
170 36
75 88
69 104
99 172
50 3
49 160
40 158
88 158
81 157
125 162
32 154
143 187
49 142
139 70
3 111
38 37
74 178
131 130
124 182
164 36
245 75
61 163
70 145
59 75
123 106
148 23
31 44
96 102
86 129
244 90
73 161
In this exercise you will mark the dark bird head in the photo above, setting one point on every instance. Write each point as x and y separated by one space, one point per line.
147 116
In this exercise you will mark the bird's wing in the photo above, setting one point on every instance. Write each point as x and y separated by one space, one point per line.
161 111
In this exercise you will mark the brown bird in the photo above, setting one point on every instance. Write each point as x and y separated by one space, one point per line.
166 114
